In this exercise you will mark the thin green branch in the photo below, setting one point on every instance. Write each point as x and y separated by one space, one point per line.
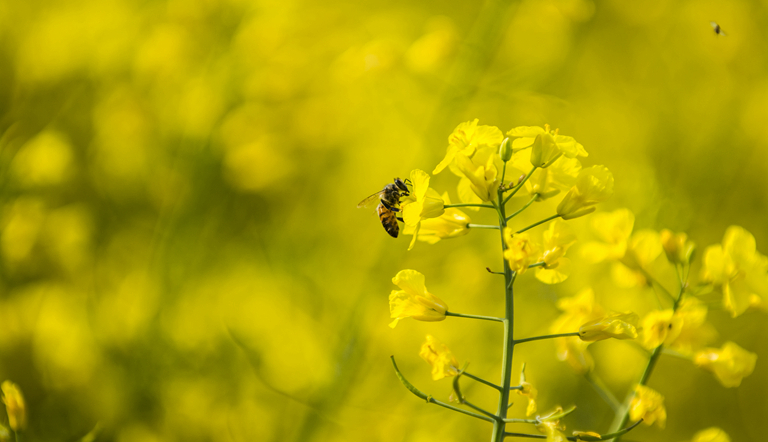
432 400
602 390
481 226
520 421
538 264
536 338
488 206
540 222
518 187
482 381
484 318
581 437
476 408
535 195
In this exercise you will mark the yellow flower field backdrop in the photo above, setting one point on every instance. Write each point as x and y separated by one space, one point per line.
181 257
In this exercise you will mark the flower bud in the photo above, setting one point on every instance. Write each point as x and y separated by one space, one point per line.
677 247
14 404
505 150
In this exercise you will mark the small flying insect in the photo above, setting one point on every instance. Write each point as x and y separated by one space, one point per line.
717 28
388 204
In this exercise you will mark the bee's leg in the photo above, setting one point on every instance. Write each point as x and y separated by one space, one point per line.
400 219
394 209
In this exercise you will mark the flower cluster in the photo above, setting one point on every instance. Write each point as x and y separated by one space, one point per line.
541 164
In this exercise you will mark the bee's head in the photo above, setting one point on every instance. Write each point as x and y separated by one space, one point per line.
402 184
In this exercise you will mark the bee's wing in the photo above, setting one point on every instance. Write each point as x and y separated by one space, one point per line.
371 201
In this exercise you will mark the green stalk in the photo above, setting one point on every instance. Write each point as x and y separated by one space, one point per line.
509 341
537 223
623 416
535 195
484 318
448 206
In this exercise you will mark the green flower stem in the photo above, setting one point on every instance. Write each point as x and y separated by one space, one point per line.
521 421
481 226
503 172
448 206
535 195
601 389
536 338
476 408
484 318
518 187
482 381
623 416
431 400
540 222
509 341
582 437
531 436
538 264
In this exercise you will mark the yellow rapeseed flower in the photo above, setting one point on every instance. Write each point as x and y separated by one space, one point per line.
577 310
413 300
520 251
593 185
695 331
739 269
529 391
14 405
613 229
467 139
711 434
423 203
452 223
546 145
481 177
550 425
677 247
730 364
648 404
660 327
441 359
556 240
617 326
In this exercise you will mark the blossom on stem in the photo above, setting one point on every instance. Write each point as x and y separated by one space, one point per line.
593 185
423 203
481 177
468 138
520 251
711 434
730 364
560 176
529 391
451 224
577 310
441 359
613 229
556 240
660 327
616 325
677 247
413 300
14 405
695 331
648 404
550 425
739 269
546 145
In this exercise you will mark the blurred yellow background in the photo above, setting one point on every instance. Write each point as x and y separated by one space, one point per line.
181 256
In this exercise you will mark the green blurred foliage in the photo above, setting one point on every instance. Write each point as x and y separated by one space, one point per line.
181 254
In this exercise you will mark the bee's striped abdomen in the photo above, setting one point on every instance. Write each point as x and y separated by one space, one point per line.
388 220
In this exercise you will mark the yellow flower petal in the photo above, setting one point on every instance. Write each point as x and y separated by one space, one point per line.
730 364
648 404
441 359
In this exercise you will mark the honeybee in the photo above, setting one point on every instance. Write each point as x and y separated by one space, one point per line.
388 204
717 28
